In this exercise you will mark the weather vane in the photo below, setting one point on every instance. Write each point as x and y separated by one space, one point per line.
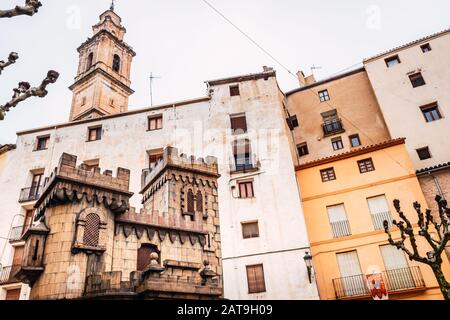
112 5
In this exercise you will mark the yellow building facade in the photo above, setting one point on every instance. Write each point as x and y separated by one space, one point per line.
344 248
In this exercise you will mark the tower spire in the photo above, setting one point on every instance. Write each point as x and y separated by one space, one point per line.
112 5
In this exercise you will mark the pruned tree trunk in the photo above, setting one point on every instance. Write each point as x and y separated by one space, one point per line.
425 221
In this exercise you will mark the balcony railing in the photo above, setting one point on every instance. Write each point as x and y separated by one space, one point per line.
379 217
7 274
332 127
340 228
16 233
396 280
30 194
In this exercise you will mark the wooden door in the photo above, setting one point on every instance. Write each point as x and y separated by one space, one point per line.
13 294
143 255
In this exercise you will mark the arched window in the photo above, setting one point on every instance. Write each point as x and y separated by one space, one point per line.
143 255
90 60
91 230
190 202
116 63
199 201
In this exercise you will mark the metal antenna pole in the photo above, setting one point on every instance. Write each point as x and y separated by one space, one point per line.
151 87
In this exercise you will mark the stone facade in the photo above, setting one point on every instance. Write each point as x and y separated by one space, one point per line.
89 243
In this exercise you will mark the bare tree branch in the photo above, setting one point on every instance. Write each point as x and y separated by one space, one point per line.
12 58
433 258
29 9
24 91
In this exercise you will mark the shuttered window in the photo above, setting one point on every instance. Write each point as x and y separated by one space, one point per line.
190 202
379 211
91 230
255 279
155 123
199 201
338 221
238 123
250 229
241 152
398 273
246 189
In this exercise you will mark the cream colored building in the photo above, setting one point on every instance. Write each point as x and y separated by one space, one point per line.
241 122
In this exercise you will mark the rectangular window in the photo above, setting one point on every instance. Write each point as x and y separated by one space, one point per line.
423 153
292 122
155 122
255 279
242 155
42 143
95 134
90 165
379 211
417 80
302 149
234 90
392 61
431 112
324 96
246 189
425 47
352 281
354 140
250 229
398 273
337 144
327 174
338 221
238 123
153 159
366 165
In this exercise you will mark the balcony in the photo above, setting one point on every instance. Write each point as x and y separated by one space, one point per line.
7 274
331 127
340 228
378 219
30 194
16 233
396 280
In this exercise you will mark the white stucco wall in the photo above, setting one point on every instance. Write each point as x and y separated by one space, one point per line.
400 102
199 129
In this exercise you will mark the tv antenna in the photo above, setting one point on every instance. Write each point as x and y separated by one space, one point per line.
152 77
315 68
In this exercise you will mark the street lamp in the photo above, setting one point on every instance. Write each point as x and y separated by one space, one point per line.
308 261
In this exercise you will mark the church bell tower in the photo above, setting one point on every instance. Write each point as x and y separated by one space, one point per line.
102 84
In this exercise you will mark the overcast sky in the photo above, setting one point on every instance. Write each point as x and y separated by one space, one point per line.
185 43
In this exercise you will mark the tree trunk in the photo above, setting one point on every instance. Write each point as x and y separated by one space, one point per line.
443 284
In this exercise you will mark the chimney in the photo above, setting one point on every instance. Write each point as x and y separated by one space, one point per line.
267 69
304 81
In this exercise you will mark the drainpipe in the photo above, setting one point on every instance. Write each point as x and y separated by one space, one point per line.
436 183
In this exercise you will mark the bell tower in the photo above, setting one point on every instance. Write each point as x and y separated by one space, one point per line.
102 84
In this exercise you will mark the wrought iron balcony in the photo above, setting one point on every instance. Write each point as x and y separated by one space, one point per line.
379 217
7 274
332 127
30 194
396 280
340 228
16 233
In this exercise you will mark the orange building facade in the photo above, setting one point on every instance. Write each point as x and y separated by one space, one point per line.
349 172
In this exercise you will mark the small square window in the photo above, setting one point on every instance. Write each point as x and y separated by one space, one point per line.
302 149
292 122
42 143
327 174
155 123
392 61
337 144
246 189
250 230
431 112
425 47
354 140
423 153
417 80
238 123
95 134
91 165
234 90
366 165
324 96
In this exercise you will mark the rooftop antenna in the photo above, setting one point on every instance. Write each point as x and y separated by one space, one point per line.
314 68
151 87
